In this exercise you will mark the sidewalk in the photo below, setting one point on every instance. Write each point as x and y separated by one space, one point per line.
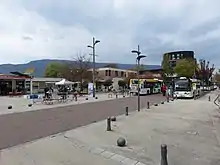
190 128
20 104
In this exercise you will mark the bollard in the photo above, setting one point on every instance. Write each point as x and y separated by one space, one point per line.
121 142
116 96
9 107
109 124
126 111
123 95
194 96
209 98
164 155
75 98
113 118
148 105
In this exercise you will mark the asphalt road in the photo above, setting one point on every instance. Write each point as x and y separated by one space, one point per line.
23 127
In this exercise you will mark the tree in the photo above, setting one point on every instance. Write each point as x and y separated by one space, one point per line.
107 83
122 83
167 70
80 69
204 72
185 68
54 69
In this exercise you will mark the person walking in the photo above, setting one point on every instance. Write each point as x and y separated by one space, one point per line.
163 89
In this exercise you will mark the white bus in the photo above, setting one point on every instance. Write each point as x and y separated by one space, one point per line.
186 88
147 86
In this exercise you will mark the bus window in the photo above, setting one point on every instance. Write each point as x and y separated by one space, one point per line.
135 82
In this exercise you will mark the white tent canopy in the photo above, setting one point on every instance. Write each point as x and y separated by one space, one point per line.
64 82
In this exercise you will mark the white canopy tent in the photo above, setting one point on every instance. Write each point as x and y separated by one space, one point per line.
64 82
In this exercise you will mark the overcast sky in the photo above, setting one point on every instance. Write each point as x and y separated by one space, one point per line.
39 29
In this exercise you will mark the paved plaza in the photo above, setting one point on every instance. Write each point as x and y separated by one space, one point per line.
20 104
190 128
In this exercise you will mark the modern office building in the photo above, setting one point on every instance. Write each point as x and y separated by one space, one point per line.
178 55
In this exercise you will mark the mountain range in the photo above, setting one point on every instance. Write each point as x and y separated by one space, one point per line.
40 66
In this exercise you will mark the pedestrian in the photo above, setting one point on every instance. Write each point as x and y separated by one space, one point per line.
46 92
163 89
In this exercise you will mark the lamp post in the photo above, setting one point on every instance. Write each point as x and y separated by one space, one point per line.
138 58
94 42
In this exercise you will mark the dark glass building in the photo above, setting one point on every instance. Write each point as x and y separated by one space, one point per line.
175 56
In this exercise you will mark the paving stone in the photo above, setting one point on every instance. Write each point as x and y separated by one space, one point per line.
107 154
129 161
97 150
118 157
139 163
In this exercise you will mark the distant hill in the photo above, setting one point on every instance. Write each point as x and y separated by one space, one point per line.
40 66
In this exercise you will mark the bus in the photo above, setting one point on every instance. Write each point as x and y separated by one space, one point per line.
186 87
147 86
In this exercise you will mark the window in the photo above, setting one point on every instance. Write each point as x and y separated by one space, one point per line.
178 56
122 74
116 73
110 72
173 57
106 73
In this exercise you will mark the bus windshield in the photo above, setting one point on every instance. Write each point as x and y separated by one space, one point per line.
135 82
182 85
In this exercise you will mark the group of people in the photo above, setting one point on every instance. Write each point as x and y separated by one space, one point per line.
166 91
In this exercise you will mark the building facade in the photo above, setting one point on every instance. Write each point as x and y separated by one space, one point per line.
178 55
151 74
110 73
12 84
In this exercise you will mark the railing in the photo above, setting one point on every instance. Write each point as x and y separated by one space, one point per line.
217 101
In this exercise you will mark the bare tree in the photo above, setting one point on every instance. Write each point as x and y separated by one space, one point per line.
80 69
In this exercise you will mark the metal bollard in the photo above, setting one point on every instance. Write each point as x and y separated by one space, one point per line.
126 111
109 124
148 105
194 96
116 96
164 154
209 98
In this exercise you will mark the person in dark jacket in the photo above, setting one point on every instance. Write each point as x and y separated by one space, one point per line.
46 92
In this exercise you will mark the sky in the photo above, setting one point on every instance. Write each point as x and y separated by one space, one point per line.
62 29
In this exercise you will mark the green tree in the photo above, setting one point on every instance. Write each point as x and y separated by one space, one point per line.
122 83
185 68
167 70
107 83
54 69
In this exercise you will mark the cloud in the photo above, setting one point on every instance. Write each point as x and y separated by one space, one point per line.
59 29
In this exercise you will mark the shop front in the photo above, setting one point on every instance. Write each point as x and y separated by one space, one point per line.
12 85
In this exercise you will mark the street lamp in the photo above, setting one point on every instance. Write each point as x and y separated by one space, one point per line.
94 42
139 57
